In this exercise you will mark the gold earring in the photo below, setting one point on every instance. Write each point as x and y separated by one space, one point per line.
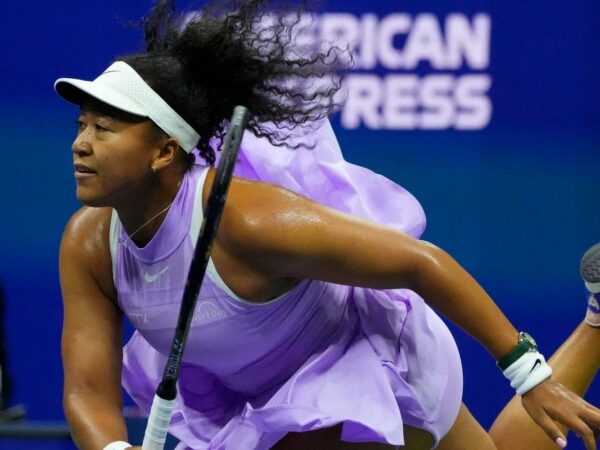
153 168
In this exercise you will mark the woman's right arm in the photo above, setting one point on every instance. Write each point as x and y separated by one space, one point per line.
92 332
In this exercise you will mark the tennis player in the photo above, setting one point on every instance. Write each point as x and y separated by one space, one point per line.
317 324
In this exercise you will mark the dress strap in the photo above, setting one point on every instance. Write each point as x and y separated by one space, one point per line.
113 240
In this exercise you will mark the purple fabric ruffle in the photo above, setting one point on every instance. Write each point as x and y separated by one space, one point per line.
322 174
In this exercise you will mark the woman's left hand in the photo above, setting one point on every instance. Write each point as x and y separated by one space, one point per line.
550 404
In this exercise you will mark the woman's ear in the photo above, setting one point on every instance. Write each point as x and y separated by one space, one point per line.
168 148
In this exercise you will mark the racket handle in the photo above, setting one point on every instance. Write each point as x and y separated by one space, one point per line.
158 424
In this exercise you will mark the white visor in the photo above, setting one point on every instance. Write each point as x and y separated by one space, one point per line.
123 88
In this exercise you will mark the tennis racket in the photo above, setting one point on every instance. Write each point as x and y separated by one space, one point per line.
164 399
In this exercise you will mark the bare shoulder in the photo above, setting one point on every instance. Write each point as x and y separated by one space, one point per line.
253 205
266 226
85 247
251 240
86 232
88 221
257 211
270 230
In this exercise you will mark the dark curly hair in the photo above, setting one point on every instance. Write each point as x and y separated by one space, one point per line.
238 52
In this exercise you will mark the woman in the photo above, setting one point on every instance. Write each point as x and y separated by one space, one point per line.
310 330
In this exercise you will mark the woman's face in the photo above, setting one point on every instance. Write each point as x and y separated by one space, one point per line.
112 155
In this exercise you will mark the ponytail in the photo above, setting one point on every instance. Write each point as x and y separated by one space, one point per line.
206 64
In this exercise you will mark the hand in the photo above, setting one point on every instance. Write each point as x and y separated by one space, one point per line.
551 401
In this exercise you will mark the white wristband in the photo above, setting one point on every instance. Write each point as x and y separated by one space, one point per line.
117 445
527 372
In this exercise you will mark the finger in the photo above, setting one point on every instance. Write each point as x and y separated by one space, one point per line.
585 433
588 428
589 440
592 419
546 423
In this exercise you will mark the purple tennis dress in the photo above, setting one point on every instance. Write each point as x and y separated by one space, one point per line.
319 355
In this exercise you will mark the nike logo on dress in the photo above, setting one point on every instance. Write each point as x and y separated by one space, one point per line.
151 278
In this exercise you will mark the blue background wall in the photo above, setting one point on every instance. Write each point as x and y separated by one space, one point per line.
516 202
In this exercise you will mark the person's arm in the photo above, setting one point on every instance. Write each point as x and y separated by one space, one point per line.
290 237
92 333
281 236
